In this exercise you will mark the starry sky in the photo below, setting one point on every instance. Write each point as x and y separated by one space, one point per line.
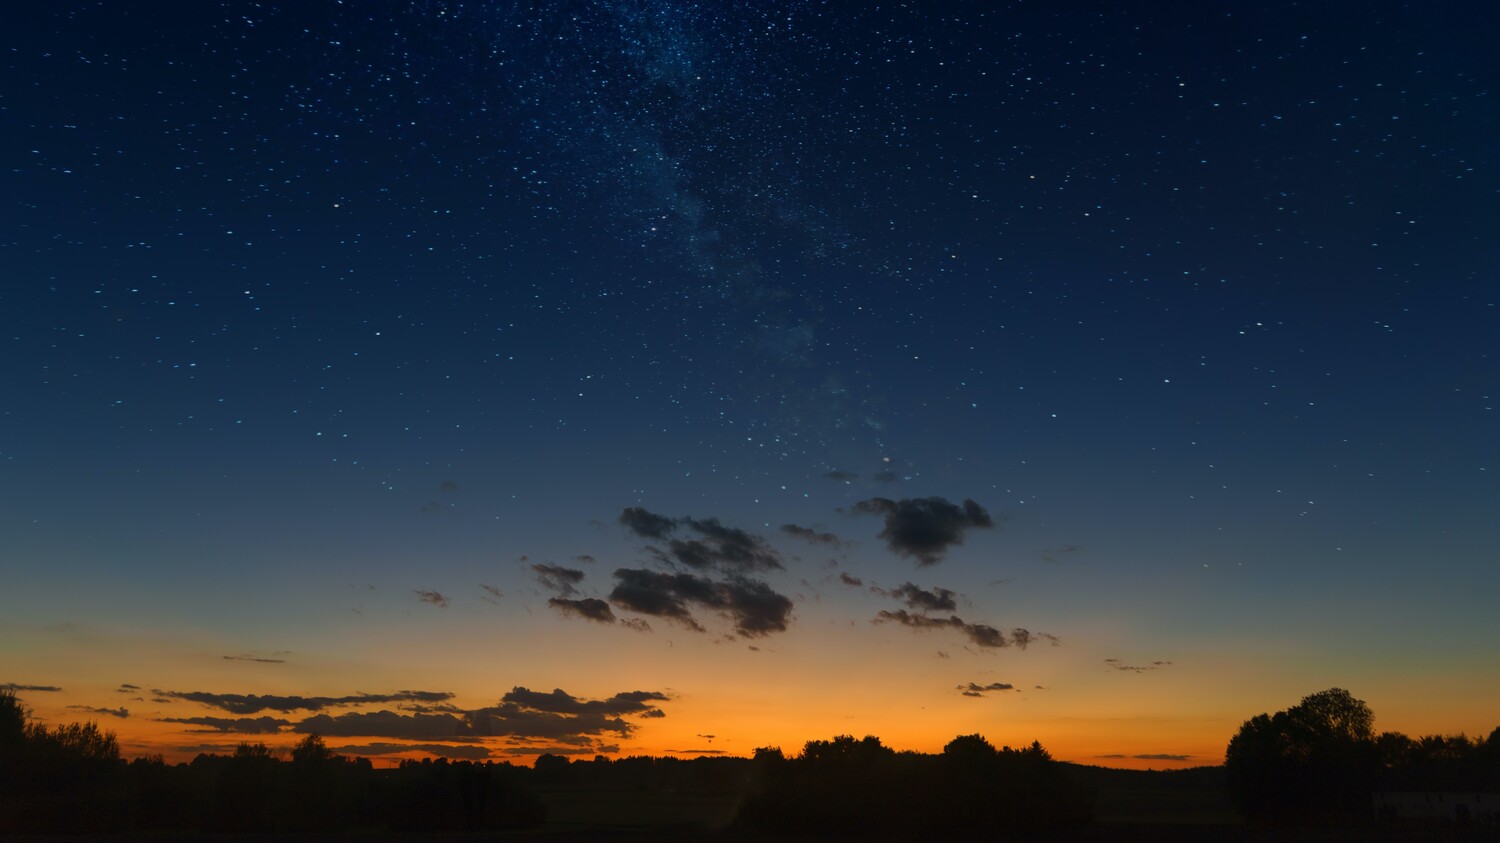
483 379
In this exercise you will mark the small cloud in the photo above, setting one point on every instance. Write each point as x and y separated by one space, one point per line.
850 580
936 600
559 579
254 659
885 477
924 528
754 607
491 593
1116 664
647 525
127 688
844 477
585 558
449 486
808 534
1162 756
982 635
974 689
590 608
121 712
431 597
16 686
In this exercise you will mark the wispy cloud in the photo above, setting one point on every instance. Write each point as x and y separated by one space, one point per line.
1116 664
255 703
121 712
974 689
431 597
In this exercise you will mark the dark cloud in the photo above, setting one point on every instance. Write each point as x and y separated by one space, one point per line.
559 579
659 595
127 688
982 635
466 752
590 608
974 689
15 686
121 712
238 725
841 476
937 600
254 659
848 579
1162 756
561 702
647 525
255 703
715 544
924 528
585 558
386 724
432 597
494 594
753 606
729 547
808 534
1136 668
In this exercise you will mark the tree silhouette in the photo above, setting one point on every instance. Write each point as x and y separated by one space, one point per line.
1318 761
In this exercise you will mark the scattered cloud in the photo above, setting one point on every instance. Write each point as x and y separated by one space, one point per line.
1135 668
431 597
647 525
590 608
238 725
559 579
850 580
753 606
808 534
714 545
936 600
16 686
256 703
924 528
974 689
121 712
982 635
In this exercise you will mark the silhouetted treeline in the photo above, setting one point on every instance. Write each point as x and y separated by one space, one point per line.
71 779
1321 760
848 787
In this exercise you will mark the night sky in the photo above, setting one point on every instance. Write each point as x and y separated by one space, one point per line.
485 379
